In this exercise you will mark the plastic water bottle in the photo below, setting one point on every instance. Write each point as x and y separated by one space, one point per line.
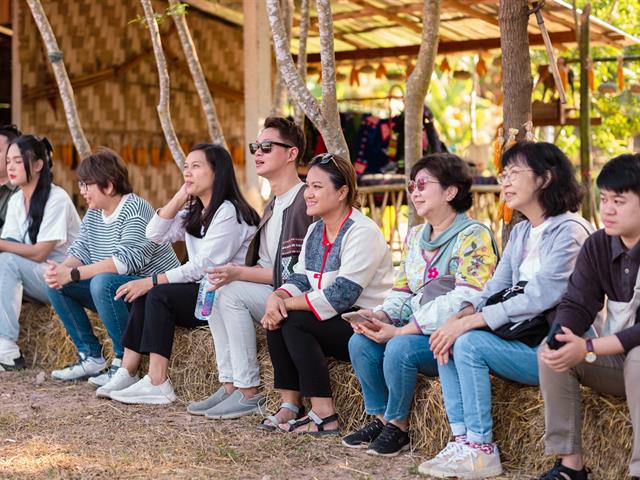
204 303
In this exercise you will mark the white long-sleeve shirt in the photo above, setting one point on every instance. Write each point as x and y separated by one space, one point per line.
225 241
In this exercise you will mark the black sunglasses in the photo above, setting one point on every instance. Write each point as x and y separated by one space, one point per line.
265 146
323 159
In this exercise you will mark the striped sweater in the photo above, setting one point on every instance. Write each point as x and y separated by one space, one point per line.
121 237
354 270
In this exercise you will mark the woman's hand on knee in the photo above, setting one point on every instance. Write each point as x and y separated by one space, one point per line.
134 289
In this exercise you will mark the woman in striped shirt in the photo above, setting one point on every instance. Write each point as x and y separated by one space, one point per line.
217 226
110 250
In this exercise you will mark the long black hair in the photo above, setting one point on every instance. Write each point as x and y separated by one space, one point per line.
225 187
33 149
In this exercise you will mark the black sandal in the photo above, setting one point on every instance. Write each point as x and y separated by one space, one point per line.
298 411
320 423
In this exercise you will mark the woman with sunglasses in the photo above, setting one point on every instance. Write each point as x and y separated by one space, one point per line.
539 181
344 265
40 225
445 262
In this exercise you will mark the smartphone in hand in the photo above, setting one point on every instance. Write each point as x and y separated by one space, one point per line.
551 338
356 317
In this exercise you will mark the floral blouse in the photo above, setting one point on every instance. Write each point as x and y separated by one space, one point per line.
472 264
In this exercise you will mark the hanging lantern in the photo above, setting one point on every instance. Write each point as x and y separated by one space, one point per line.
367 69
591 79
381 71
481 67
461 75
444 65
563 70
607 88
620 76
354 79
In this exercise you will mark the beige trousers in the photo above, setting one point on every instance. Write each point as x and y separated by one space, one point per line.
617 375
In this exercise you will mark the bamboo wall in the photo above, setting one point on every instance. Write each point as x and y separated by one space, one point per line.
117 91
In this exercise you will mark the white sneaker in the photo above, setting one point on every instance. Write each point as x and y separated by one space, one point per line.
469 463
10 356
451 450
84 368
118 381
146 392
102 379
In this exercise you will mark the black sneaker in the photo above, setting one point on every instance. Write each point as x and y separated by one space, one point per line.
391 441
560 472
363 437
14 364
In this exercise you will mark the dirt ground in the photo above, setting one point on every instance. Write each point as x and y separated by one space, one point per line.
53 430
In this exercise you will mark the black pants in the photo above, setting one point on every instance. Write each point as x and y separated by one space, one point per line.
153 318
299 352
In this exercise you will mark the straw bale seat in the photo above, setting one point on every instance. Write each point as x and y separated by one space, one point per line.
518 411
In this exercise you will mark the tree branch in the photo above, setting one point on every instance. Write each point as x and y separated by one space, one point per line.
189 49
164 114
280 90
62 78
302 55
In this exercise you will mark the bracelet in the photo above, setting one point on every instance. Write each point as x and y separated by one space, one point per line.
154 279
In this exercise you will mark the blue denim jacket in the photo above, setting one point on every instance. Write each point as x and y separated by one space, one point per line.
559 246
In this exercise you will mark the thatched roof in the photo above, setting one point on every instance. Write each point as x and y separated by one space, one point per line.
391 28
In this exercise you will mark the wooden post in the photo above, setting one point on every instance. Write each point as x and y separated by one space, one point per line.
585 109
257 87
16 72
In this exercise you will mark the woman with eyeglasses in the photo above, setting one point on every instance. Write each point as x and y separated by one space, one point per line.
500 328
40 225
344 265
445 262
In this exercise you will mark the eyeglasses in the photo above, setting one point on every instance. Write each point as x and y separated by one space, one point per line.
512 174
323 159
266 146
84 185
419 184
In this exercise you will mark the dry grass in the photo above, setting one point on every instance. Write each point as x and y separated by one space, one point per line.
518 411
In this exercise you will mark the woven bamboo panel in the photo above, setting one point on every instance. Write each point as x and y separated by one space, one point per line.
119 111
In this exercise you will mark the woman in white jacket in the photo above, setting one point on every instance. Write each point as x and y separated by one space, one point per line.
216 225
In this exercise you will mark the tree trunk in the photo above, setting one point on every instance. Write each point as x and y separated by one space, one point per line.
208 105
62 78
164 114
302 56
517 82
280 90
417 87
327 123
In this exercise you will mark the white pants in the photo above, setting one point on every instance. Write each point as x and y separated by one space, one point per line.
236 307
18 275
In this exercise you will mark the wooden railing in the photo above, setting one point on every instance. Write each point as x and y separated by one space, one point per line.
387 206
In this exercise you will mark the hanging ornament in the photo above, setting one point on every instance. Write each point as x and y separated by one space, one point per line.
563 70
367 69
620 76
511 139
528 128
354 79
497 149
444 65
481 67
341 77
591 79
381 71
461 75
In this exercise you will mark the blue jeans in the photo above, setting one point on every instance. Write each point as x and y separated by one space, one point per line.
388 372
466 386
95 294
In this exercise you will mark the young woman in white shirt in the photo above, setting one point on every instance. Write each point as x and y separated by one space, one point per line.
41 223
217 225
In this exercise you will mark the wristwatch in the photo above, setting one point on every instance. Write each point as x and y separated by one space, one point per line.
154 279
590 356
75 275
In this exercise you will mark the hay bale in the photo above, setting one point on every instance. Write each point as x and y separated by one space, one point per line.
518 411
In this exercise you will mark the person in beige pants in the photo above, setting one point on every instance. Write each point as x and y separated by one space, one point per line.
608 265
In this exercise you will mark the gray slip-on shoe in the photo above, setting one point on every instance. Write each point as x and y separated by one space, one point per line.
199 408
236 406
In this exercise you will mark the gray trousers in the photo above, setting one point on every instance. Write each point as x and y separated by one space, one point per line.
617 375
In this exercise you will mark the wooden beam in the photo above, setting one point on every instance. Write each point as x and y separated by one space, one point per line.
459 6
443 47
383 12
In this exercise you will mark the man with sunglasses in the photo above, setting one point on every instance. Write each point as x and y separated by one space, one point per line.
242 290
